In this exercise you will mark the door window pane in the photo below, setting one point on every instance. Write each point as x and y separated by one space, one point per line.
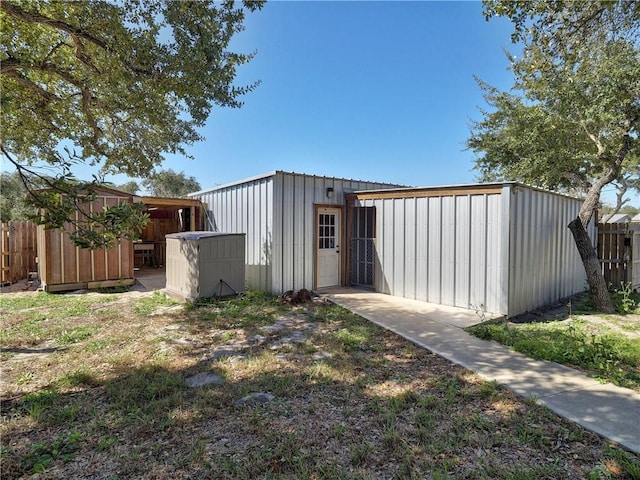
326 230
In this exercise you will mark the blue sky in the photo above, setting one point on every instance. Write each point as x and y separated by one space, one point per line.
378 91
367 90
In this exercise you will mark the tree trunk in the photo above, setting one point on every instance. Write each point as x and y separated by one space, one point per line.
597 285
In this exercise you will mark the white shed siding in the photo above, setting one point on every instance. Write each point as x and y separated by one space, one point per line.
442 249
434 251
293 232
497 262
422 254
276 211
544 264
247 208
506 252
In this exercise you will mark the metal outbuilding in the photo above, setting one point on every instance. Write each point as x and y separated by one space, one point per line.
281 212
616 218
503 247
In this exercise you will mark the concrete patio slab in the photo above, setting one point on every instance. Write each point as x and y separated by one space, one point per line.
151 278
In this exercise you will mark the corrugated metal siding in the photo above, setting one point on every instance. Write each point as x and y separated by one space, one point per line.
544 263
247 208
506 252
441 249
293 229
277 213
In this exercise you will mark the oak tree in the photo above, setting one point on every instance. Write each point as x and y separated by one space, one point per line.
571 120
168 183
116 85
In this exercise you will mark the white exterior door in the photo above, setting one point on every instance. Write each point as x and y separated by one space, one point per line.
328 243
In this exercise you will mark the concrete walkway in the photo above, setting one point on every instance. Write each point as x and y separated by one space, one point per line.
610 411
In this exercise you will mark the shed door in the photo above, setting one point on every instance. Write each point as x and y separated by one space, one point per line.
363 246
328 236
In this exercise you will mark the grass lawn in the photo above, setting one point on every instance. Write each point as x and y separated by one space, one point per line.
605 346
97 386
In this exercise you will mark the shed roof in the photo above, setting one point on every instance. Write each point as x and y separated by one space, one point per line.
276 172
616 218
459 189
168 202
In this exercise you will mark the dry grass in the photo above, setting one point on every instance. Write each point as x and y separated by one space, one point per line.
94 387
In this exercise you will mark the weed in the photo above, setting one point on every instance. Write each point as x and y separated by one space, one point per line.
97 345
360 453
65 414
624 300
489 389
77 334
402 401
25 377
629 464
105 443
147 395
339 430
393 441
30 332
481 312
322 372
81 377
331 314
36 405
351 338
43 454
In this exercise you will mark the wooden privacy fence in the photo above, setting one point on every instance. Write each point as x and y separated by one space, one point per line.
19 250
619 252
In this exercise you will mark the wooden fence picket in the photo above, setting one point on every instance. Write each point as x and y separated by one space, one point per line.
615 252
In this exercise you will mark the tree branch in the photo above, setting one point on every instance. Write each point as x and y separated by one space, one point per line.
74 32
9 65
30 17
81 54
593 195
79 201
620 200
54 50
25 82
592 137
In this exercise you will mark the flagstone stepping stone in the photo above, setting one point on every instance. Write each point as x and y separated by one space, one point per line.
204 379
254 399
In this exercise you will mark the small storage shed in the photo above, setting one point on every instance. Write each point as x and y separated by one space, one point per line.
64 266
205 264
616 218
503 247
